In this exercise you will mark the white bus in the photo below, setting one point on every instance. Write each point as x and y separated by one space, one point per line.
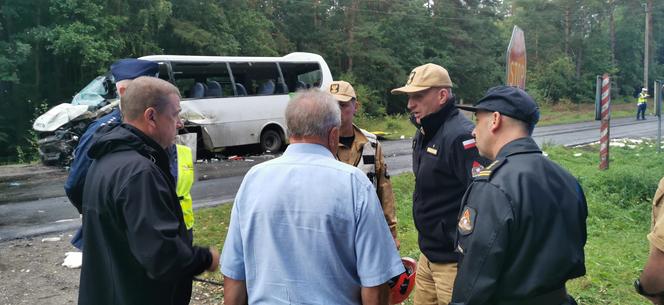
227 101
233 101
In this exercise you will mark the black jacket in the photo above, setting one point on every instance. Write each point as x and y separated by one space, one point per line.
137 250
443 167
521 231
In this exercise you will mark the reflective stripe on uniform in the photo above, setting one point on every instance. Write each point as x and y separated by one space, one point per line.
369 154
185 181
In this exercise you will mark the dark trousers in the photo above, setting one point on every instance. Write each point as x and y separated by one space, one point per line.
641 109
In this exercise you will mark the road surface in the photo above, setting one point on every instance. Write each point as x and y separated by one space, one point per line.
36 205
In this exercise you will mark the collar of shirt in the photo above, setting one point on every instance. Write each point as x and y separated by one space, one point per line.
518 146
432 122
308 148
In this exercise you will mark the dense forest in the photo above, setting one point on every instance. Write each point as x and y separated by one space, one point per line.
49 49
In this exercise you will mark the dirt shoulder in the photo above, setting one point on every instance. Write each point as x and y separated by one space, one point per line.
31 272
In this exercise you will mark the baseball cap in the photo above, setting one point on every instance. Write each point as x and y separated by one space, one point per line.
130 68
342 91
424 77
510 101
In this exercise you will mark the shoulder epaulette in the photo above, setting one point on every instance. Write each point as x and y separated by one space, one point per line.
490 170
370 136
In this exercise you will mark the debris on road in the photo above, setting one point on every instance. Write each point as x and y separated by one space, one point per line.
73 260
50 239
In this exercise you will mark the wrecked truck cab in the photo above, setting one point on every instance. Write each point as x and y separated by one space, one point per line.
59 129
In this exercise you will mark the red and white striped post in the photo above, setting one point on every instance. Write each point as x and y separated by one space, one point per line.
604 129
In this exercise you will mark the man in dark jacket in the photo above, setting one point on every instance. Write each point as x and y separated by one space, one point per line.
137 247
444 160
522 227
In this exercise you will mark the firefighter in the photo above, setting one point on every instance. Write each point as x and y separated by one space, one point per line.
361 149
522 226
444 161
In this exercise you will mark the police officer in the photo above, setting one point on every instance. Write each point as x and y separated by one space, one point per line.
444 160
642 104
651 282
522 227
124 71
361 149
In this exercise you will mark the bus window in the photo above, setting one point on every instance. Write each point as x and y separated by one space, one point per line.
257 78
202 80
301 75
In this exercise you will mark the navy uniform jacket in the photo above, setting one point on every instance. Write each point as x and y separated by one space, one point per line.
81 163
444 155
521 230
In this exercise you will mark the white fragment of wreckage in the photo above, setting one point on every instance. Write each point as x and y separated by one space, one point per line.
578 154
73 260
545 153
50 239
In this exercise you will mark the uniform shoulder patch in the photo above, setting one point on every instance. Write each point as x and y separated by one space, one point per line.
467 221
370 136
490 170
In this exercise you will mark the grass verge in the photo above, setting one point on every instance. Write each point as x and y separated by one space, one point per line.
618 221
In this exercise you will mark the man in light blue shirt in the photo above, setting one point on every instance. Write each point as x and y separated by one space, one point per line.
306 228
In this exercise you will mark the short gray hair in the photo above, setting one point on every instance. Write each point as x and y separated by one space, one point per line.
312 113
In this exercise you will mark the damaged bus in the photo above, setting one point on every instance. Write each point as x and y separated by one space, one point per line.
226 101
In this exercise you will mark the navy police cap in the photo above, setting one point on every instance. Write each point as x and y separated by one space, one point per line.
510 101
130 68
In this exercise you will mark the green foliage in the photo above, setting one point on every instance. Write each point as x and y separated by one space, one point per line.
369 105
556 80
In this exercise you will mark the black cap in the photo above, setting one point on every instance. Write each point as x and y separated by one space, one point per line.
130 68
510 101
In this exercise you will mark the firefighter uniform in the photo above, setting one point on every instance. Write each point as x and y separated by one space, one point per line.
363 151
522 226
366 154
444 161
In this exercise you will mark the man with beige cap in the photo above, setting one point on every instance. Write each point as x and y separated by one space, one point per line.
445 160
361 149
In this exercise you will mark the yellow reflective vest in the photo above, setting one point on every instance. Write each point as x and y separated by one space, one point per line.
184 183
642 98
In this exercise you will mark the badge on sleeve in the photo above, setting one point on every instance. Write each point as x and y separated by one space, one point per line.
468 144
467 221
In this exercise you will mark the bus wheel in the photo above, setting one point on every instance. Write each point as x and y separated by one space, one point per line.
271 141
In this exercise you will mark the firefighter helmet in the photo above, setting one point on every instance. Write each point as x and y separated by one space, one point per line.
401 285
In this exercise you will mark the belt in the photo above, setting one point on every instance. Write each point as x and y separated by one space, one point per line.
555 297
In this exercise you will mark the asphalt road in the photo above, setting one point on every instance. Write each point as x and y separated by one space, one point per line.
218 181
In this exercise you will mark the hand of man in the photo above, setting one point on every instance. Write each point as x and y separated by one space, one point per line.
215 260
